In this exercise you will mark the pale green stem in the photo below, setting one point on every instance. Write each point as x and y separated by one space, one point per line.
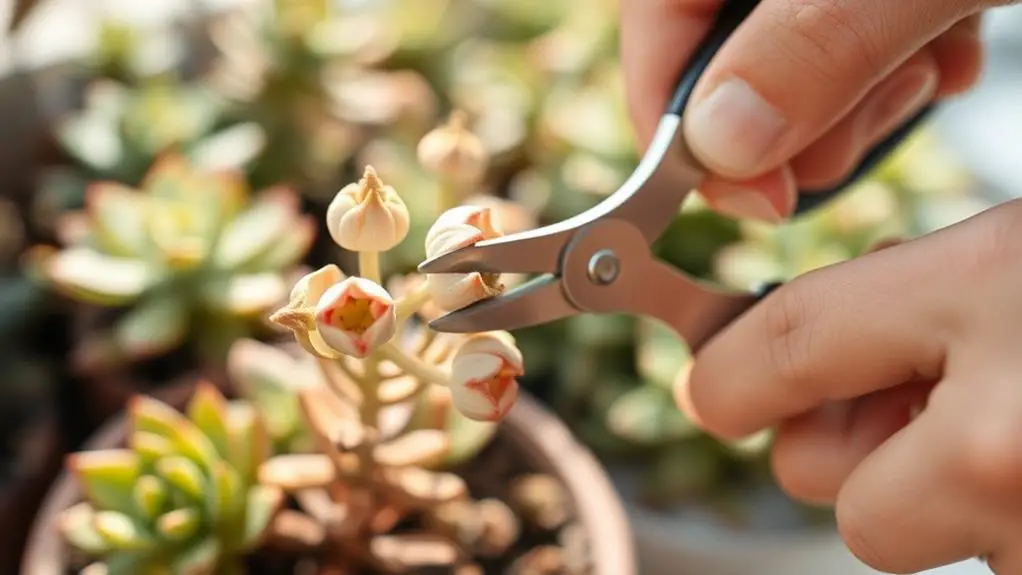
413 366
369 266
412 302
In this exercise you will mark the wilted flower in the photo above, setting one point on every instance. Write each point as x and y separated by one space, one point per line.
454 229
483 376
356 316
453 151
367 216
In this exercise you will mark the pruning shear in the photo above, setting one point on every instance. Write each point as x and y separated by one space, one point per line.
600 261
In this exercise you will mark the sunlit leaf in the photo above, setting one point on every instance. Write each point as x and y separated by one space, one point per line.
263 503
117 213
208 411
257 229
155 326
107 477
184 475
98 278
76 526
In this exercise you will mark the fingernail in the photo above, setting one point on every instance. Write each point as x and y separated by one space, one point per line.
733 128
903 95
743 203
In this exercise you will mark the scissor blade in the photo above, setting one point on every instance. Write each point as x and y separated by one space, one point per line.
533 251
538 301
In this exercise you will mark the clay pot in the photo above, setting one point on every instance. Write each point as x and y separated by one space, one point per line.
531 428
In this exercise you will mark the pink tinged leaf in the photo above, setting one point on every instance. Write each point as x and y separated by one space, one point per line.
295 472
424 447
76 525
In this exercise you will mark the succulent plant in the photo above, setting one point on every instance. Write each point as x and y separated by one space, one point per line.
181 496
189 254
122 130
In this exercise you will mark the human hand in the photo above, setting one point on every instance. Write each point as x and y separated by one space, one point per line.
803 88
840 359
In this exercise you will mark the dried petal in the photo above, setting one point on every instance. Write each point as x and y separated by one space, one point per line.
483 376
368 216
356 316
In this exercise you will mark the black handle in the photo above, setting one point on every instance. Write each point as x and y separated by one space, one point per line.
730 16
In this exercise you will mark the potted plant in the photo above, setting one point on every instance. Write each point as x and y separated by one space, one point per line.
373 489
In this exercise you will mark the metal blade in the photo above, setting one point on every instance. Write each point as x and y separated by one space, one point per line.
533 251
538 301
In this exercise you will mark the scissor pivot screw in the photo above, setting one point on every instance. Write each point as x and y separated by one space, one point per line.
604 267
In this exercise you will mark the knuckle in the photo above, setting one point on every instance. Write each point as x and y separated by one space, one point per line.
832 32
858 533
788 323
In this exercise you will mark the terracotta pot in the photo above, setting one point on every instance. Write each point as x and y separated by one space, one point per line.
538 433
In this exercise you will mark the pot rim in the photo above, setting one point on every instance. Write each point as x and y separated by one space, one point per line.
535 429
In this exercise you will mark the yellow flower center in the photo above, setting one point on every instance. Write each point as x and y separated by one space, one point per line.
354 315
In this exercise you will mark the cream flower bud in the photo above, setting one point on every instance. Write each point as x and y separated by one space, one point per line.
453 151
367 216
299 314
356 316
454 229
484 374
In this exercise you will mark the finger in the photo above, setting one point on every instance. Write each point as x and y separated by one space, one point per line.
896 99
770 197
794 68
657 39
836 333
910 507
814 454
959 55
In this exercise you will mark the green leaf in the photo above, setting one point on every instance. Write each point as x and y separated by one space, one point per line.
232 148
271 216
134 564
247 294
107 476
208 411
155 326
199 559
270 378
92 138
661 354
97 278
117 213
76 526
263 503
194 444
288 250
179 524
225 502
150 446
184 475
156 417
121 531
150 496
249 445
648 415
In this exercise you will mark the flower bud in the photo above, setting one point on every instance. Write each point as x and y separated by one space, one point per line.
453 151
367 216
454 229
483 376
356 316
299 315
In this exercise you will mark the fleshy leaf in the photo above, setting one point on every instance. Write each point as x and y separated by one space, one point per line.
648 415
248 294
91 137
107 477
289 249
149 495
76 526
154 416
263 503
293 472
150 446
230 148
417 487
249 445
423 447
272 215
121 531
97 278
466 437
155 326
411 553
179 524
184 475
117 213
661 355
208 411
199 559
270 378
225 502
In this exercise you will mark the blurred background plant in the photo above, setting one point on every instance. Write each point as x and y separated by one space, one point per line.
309 92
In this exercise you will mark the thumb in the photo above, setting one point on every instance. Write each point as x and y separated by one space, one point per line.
793 69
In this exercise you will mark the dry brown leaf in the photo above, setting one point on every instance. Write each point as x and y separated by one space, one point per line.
418 488
295 472
422 447
296 531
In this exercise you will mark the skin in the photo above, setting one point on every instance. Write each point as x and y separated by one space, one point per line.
905 413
